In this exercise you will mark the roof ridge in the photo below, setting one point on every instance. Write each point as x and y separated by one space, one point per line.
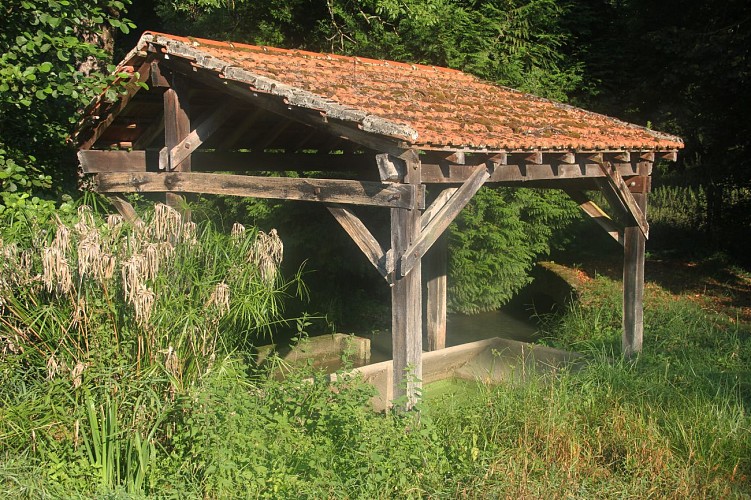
197 42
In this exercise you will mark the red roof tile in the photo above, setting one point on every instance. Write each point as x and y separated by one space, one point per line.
429 107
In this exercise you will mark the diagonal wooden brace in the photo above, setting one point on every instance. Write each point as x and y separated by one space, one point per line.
597 214
441 220
364 239
198 136
617 192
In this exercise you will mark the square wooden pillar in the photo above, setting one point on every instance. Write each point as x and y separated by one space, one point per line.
176 128
634 244
437 264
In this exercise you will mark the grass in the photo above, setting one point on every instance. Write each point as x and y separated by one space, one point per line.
673 423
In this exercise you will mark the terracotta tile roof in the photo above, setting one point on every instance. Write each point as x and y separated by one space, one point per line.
427 106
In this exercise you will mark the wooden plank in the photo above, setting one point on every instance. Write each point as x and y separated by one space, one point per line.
517 173
441 220
440 201
176 128
615 185
281 188
93 161
125 209
437 264
182 150
406 303
390 168
363 238
597 214
633 285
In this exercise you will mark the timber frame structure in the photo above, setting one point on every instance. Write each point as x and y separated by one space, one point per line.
199 116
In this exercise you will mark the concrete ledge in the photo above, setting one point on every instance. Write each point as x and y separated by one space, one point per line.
493 360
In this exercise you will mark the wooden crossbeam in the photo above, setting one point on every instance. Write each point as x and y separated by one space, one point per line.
597 214
364 239
199 135
441 220
615 188
281 188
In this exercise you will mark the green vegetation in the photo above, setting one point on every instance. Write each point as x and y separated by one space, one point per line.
126 351
97 403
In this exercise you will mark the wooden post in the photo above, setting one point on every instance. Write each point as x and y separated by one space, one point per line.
633 284
406 300
176 128
436 301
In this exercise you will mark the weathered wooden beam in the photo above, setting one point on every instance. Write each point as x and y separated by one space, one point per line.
633 285
615 187
281 188
597 214
406 303
440 201
176 128
93 161
364 239
125 209
183 149
390 168
451 173
441 220
437 264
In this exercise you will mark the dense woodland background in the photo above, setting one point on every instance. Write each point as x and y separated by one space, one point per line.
681 67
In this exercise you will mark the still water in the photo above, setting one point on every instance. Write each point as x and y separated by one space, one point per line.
509 323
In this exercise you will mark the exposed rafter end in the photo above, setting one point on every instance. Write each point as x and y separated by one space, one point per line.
669 156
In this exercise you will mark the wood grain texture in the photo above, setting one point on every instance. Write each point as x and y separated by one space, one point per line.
281 188
633 285
437 265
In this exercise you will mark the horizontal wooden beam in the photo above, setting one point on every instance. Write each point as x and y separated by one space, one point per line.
281 188
441 220
366 242
450 173
93 161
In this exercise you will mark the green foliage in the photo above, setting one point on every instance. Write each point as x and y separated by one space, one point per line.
42 45
495 241
513 42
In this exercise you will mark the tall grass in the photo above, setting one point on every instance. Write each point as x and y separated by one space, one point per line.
104 325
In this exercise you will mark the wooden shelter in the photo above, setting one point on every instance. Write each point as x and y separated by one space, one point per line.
200 116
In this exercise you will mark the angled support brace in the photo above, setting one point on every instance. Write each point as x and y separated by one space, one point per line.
381 260
170 159
125 209
441 219
617 192
597 214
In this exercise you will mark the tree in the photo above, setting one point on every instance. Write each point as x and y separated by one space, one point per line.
41 87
